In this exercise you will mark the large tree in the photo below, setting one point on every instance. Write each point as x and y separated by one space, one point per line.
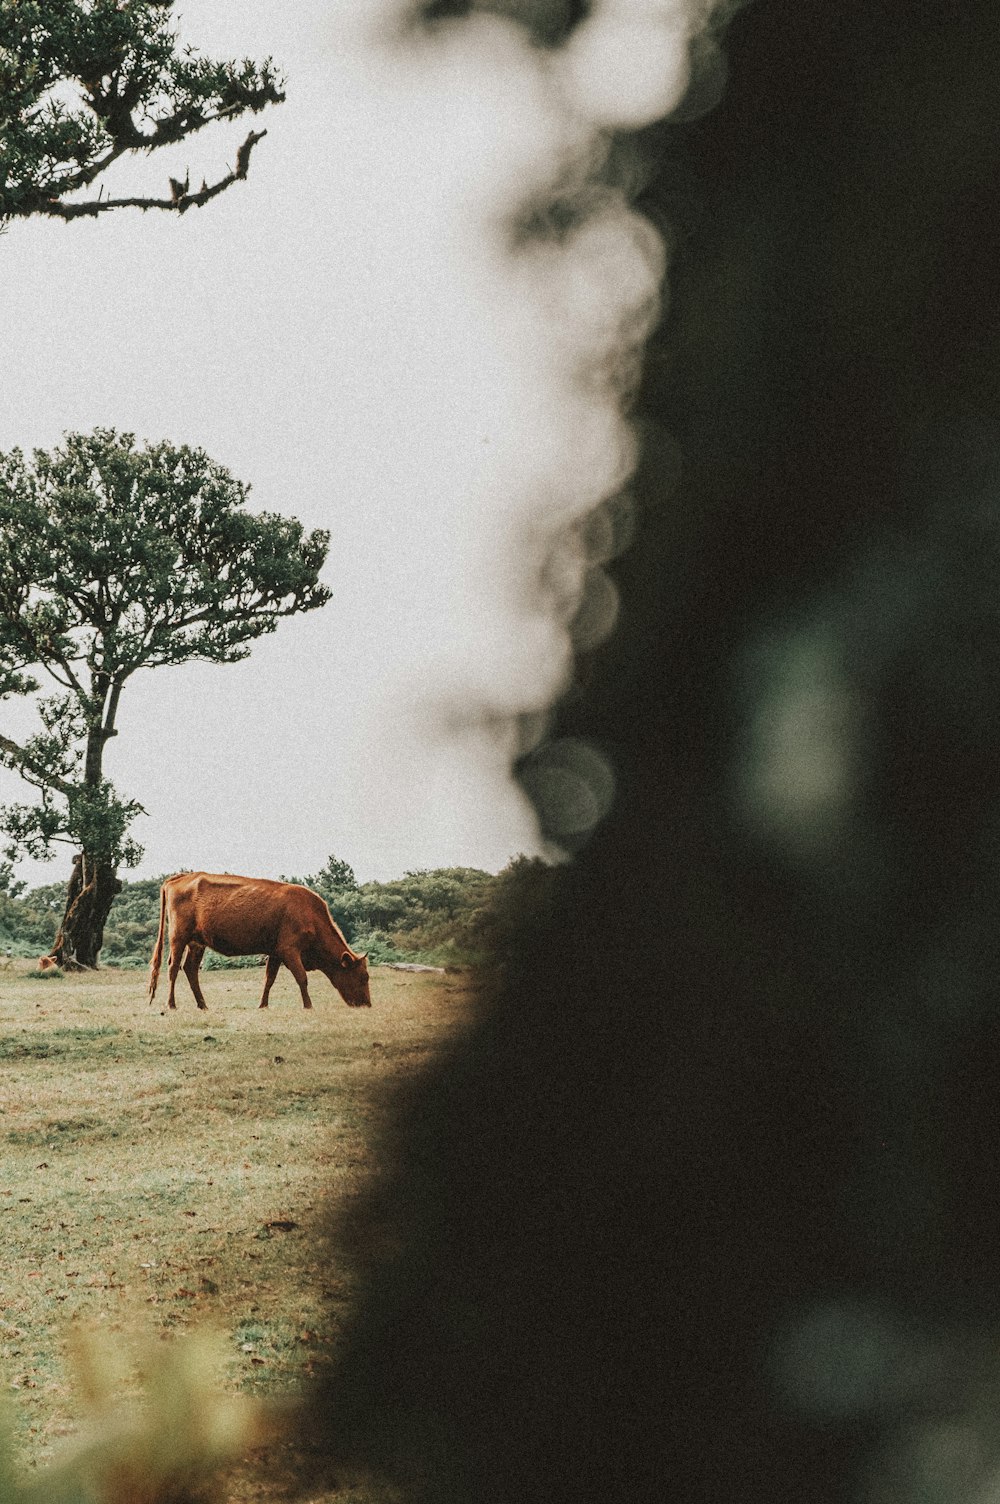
83 82
116 557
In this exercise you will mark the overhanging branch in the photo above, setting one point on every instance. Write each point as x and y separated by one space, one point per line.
179 202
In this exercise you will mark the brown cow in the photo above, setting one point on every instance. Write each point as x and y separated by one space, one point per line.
243 916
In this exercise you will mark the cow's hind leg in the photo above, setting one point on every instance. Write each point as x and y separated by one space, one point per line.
273 963
293 961
191 963
177 949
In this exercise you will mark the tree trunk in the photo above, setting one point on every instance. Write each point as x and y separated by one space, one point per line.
91 892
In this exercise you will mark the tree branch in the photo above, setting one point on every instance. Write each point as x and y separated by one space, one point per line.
177 202
109 730
28 764
36 652
71 681
59 679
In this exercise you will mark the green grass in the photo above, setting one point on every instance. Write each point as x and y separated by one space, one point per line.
162 1171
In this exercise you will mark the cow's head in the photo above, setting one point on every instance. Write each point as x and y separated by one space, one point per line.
351 980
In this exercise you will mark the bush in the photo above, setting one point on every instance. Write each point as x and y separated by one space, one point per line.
214 962
381 948
451 915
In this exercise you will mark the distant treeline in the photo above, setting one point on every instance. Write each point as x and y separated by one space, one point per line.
449 915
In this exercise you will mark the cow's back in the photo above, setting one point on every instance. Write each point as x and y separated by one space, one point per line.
241 915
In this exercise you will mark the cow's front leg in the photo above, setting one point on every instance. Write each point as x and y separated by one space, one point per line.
273 963
294 963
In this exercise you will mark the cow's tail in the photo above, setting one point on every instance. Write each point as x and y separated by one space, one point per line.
154 965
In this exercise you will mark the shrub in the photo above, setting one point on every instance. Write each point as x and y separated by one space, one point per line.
447 915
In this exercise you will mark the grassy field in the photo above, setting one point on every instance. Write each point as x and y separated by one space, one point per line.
163 1171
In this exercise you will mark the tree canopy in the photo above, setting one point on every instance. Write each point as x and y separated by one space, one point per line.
116 556
83 82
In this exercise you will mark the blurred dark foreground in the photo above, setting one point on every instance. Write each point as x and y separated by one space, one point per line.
707 1206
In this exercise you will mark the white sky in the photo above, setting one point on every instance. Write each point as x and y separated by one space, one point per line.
347 333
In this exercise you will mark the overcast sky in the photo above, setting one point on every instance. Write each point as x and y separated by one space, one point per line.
348 332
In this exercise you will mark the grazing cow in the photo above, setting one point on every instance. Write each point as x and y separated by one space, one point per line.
243 916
